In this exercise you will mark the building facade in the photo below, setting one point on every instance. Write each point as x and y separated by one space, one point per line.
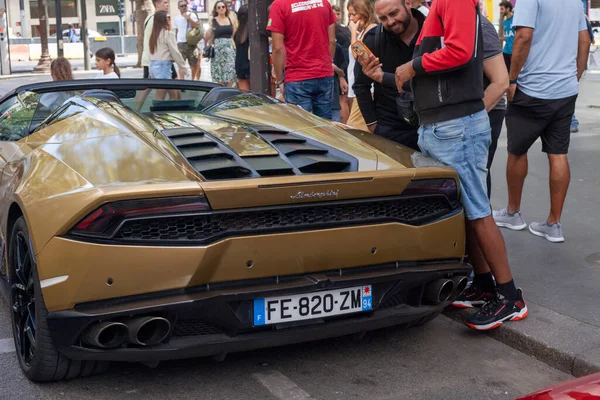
102 15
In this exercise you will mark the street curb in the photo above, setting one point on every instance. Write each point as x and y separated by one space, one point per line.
569 345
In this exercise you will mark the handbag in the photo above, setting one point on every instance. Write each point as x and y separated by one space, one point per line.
194 35
209 51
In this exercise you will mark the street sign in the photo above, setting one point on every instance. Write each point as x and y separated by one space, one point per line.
107 7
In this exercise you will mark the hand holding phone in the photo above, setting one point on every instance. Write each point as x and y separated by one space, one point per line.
361 51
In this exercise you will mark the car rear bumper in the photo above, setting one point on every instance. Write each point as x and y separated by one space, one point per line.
214 320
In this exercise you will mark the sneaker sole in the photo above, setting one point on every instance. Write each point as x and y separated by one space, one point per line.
548 238
511 227
512 317
467 304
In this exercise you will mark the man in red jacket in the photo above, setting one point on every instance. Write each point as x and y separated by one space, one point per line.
447 83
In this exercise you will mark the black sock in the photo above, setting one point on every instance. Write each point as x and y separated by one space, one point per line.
509 290
484 282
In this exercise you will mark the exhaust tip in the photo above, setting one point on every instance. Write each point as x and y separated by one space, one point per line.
460 284
446 291
148 331
439 291
106 335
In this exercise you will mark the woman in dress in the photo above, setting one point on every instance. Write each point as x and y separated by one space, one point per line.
163 50
220 36
362 19
242 48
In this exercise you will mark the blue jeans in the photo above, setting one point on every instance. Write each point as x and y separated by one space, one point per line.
336 115
463 144
574 122
160 69
313 95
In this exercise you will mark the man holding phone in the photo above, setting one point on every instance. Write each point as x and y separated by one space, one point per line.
392 43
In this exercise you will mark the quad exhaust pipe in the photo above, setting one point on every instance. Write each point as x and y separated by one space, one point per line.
460 284
141 331
148 331
438 291
106 335
442 290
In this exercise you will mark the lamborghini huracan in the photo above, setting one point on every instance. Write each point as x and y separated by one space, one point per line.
146 220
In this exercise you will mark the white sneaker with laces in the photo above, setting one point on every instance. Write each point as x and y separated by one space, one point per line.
513 221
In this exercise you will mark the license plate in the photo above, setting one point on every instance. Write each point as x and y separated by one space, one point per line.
298 307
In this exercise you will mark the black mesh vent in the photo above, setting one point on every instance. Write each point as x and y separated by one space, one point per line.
400 295
207 228
194 327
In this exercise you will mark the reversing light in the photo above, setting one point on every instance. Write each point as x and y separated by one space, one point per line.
423 187
103 221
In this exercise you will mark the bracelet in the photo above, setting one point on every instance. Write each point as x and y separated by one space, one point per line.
278 83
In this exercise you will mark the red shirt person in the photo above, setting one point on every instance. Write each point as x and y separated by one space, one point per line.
303 38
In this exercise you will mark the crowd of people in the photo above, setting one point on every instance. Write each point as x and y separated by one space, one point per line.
438 77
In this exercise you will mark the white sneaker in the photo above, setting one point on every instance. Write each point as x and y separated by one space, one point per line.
513 221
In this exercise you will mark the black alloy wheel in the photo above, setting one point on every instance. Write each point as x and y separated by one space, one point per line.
38 357
23 299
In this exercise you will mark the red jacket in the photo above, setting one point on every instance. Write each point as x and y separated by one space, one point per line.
448 61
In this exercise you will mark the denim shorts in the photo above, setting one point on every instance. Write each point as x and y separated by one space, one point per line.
463 144
160 69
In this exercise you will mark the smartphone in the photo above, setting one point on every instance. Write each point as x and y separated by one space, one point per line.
360 50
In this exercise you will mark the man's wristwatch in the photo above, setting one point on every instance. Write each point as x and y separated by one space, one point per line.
513 81
278 83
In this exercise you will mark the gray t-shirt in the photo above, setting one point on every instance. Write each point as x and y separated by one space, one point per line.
550 71
491 48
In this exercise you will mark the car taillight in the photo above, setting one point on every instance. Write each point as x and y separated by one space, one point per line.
425 187
104 221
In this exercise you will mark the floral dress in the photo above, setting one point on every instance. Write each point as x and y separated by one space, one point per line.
223 64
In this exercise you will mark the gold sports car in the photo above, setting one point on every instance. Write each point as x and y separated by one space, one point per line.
139 228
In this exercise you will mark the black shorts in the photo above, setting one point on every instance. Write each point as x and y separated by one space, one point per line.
528 119
173 72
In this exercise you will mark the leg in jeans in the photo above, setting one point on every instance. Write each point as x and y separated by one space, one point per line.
574 124
322 97
298 93
463 144
496 120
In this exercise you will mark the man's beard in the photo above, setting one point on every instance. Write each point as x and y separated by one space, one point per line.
401 26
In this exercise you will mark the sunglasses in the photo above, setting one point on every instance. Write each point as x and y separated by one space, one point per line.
183 6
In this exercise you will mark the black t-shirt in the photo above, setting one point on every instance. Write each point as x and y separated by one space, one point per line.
392 52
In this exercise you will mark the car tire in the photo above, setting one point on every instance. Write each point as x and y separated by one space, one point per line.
38 357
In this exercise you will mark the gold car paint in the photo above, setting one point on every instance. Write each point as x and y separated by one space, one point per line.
239 139
66 170
292 118
98 271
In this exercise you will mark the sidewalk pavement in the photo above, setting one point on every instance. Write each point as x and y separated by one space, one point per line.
560 282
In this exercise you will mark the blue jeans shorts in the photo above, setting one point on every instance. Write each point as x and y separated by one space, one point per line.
313 95
160 69
463 144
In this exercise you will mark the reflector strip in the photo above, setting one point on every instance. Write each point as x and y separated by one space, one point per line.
53 281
